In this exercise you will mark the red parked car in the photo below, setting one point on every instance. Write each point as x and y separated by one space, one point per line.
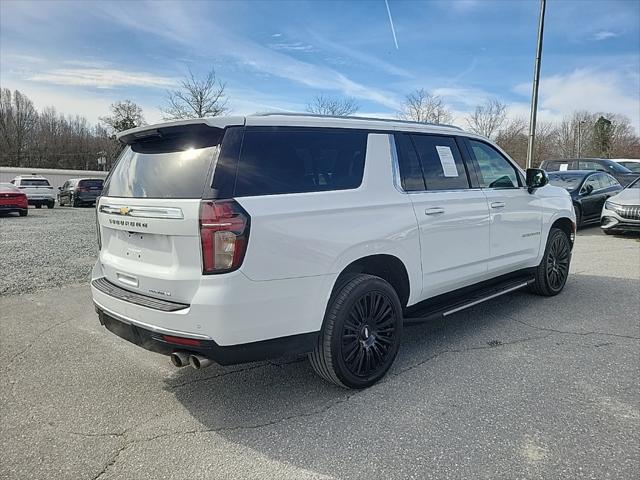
13 200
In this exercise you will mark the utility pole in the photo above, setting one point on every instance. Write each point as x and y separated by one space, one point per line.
536 81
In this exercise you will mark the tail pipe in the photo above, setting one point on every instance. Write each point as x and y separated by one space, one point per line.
180 359
198 361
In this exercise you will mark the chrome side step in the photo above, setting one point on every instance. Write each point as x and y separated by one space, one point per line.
484 299
449 304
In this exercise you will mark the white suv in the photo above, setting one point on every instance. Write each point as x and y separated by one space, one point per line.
244 238
38 190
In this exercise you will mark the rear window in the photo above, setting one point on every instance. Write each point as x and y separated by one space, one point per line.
285 160
91 183
175 174
34 182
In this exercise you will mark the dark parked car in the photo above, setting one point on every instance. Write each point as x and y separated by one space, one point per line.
13 200
619 172
588 189
80 191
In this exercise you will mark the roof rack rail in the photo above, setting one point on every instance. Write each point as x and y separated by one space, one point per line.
349 117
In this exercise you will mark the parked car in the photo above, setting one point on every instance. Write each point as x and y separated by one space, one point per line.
588 189
13 200
80 191
620 173
621 213
632 164
235 239
38 190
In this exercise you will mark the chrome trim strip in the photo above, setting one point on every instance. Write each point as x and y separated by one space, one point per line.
153 328
484 299
143 212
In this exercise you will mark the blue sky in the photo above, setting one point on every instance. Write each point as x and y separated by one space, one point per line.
81 56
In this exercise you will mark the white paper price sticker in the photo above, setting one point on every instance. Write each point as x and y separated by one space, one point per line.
447 161
563 167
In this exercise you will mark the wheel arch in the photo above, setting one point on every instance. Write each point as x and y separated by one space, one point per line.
388 267
567 225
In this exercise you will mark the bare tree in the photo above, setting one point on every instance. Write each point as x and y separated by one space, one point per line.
340 107
125 114
18 119
488 118
196 98
422 106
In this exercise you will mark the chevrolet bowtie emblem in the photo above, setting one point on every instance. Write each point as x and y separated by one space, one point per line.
124 210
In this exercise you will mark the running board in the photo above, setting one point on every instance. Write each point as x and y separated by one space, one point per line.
443 308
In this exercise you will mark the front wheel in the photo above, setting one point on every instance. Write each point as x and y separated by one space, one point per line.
552 273
38 205
361 334
50 204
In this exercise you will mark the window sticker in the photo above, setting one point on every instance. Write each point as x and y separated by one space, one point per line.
447 161
563 167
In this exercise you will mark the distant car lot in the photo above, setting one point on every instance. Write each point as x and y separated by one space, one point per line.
518 387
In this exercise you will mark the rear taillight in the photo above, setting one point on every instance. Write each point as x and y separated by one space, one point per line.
99 236
224 234
82 189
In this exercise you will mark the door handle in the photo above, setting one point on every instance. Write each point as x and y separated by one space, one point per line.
434 211
497 204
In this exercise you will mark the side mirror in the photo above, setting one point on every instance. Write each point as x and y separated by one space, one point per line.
60 188
536 178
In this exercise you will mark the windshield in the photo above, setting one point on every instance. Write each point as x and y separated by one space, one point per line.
34 182
635 183
633 166
177 174
569 182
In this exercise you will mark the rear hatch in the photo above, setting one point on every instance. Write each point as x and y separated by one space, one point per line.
148 213
36 188
90 187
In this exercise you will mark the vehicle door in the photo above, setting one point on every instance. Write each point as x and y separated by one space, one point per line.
592 196
452 211
516 214
62 192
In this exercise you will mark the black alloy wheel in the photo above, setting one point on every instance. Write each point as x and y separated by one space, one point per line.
553 271
361 332
368 333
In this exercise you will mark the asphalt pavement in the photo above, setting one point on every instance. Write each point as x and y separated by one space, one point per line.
519 387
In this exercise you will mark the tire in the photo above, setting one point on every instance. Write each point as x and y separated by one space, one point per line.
38 205
551 274
23 213
51 204
75 202
361 333
608 232
578 212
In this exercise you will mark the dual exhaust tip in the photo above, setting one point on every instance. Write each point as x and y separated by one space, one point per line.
182 359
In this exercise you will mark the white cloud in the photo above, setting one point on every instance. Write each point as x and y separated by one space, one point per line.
587 89
292 46
101 78
604 34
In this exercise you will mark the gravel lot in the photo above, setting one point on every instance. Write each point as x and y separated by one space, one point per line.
47 248
519 387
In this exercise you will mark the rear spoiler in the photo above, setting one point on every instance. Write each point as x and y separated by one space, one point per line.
172 129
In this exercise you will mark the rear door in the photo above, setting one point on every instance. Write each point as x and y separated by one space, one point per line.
594 192
516 214
452 214
149 212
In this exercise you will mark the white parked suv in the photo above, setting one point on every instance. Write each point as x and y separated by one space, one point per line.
37 188
235 239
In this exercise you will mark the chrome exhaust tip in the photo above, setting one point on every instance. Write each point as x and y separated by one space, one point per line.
180 359
198 362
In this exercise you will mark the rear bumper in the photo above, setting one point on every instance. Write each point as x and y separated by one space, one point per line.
166 341
13 208
235 318
40 200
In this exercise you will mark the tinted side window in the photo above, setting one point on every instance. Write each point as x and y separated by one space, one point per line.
591 181
588 165
612 181
286 160
409 163
495 170
441 162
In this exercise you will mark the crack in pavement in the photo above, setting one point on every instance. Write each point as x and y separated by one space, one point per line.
581 334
